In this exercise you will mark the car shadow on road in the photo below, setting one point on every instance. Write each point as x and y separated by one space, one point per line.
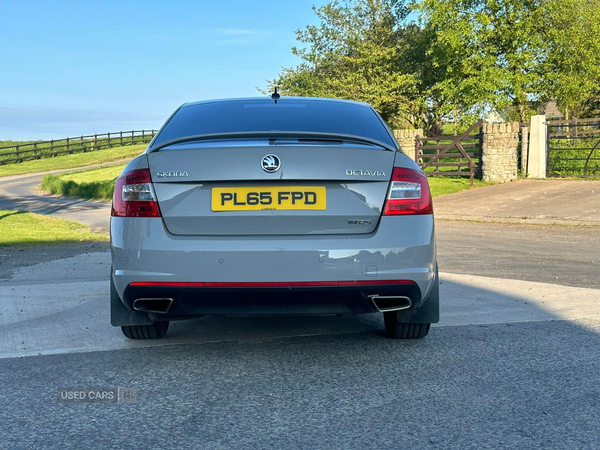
84 323
500 371
464 301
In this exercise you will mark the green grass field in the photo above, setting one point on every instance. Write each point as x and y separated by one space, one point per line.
24 228
16 152
449 185
98 184
13 143
73 161
568 157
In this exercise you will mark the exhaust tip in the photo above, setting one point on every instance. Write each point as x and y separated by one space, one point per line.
387 303
153 305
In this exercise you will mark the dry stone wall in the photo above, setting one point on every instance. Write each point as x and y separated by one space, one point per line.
499 152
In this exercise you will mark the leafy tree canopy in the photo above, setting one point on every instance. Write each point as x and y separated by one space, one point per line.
502 53
462 57
356 52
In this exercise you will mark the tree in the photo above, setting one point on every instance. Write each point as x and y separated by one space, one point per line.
464 57
571 70
501 53
356 52
590 107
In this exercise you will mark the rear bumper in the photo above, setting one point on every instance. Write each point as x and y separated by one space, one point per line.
402 248
189 301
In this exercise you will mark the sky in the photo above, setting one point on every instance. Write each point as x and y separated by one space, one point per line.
81 67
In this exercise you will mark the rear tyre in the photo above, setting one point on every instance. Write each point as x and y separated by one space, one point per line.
157 330
403 330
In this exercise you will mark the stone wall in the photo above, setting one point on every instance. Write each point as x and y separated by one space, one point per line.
406 139
499 159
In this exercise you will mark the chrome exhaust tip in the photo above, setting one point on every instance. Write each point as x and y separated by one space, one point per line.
387 303
153 305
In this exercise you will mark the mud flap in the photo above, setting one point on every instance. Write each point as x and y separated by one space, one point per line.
121 315
429 311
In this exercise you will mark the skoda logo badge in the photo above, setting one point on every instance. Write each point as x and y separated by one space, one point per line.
270 163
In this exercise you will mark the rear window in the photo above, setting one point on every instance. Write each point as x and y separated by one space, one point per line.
288 114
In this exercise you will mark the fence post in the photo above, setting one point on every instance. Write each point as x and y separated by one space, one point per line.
35 150
524 149
574 127
480 123
95 141
67 145
417 142
109 143
471 173
52 147
121 137
536 159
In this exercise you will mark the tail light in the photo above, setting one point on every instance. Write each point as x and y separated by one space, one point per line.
134 195
409 193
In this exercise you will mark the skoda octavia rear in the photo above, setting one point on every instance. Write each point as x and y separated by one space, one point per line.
256 206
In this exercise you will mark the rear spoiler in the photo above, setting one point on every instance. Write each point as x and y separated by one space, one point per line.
272 135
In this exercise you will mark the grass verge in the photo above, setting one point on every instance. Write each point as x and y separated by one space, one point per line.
24 228
96 184
73 161
449 185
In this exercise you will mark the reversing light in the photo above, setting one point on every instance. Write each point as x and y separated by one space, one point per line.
134 195
408 193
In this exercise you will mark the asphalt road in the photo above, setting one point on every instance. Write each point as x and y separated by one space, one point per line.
527 385
567 256
21 192
513 364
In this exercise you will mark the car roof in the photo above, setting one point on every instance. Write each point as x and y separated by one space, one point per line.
281 99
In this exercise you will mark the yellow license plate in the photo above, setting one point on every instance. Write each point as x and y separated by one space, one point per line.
266 198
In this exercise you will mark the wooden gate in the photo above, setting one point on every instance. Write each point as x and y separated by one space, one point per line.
447 155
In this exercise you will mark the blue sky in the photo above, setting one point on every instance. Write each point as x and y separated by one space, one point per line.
78 67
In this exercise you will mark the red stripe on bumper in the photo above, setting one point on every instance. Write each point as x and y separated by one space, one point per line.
283 284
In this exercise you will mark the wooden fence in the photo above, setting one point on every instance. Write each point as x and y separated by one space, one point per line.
573 128
46 149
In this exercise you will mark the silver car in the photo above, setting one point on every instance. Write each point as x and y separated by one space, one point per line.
273 206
